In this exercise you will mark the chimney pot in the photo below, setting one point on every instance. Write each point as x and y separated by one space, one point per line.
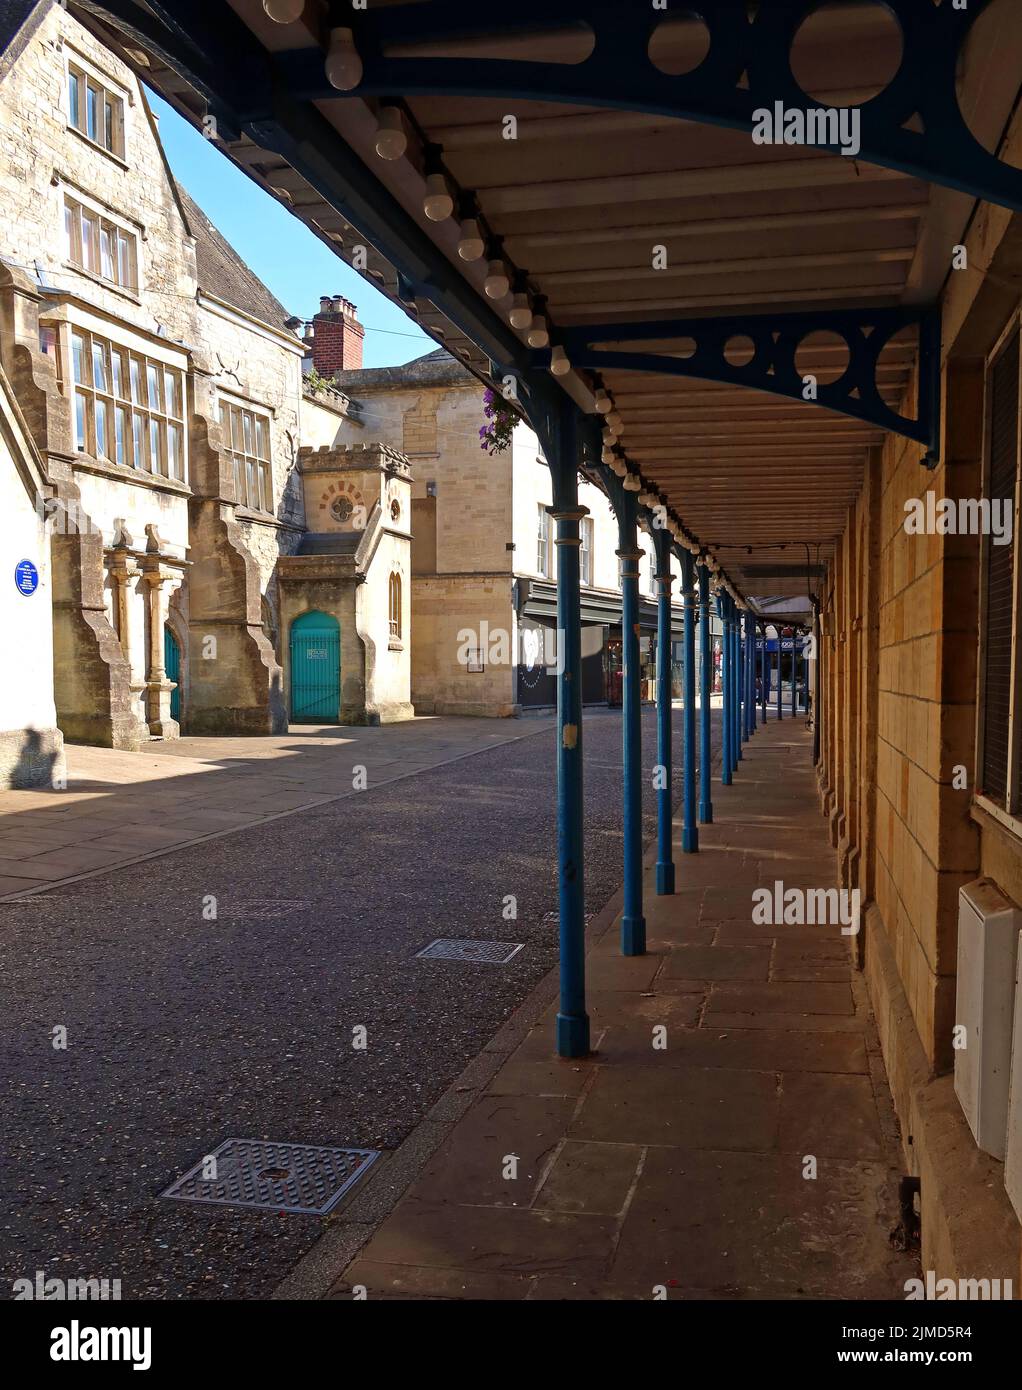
336 340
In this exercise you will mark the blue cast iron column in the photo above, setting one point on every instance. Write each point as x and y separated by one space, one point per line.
764 674
730 645
794 675
726 723
664 807
750 647
743 653
572 1019
689 828
633 924
705 686
736 702
816 683
780 650
736 737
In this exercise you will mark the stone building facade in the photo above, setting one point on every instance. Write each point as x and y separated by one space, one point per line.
161 384
359 515
31 745
483 561
921 758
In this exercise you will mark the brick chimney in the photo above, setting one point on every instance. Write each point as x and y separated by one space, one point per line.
337 337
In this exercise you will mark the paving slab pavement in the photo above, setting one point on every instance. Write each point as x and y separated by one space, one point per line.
730 1137
119 808
185 1030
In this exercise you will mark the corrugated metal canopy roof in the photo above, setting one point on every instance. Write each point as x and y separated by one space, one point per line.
582 196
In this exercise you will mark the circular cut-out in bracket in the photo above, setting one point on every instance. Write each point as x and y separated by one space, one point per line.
844 55
683 348
739 350
992 34
680 44
823 354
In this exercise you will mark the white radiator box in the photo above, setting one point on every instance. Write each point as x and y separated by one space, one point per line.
988 931
1013 1157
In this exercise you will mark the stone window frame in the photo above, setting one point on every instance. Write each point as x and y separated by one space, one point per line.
394 588
77 208
81 79
647 573
134 397
253 471
587 536
542 541
1007 811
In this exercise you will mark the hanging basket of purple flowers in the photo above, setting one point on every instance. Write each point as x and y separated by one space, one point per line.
495 435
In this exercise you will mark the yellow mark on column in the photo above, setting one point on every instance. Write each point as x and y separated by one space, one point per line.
637 629
570 736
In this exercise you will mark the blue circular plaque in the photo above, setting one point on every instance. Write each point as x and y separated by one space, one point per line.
26 577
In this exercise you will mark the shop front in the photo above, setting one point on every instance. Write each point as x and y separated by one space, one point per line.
601 647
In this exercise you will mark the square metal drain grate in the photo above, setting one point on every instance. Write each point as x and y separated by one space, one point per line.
488 952
301 1178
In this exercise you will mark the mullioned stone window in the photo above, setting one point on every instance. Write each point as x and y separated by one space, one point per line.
128 408
99 246
94 110
247 437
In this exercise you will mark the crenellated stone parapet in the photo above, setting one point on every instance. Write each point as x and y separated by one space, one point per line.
373 454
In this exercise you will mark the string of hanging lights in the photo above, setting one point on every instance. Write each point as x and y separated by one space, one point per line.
612 454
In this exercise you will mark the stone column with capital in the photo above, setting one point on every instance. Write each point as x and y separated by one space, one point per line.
158 689
121 567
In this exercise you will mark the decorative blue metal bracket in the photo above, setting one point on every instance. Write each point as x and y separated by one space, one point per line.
264 94
746 68
772 366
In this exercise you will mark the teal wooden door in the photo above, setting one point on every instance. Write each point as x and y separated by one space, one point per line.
315 668
172 666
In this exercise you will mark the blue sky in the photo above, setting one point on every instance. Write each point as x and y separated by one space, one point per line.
296 265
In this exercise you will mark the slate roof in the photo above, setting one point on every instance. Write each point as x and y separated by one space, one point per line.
223 274
330 542
437 368
14 30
